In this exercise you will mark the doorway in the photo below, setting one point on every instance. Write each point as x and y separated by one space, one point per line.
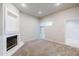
43 26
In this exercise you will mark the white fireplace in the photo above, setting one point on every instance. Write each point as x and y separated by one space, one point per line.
10 29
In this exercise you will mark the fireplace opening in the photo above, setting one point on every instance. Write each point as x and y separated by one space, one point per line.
11 42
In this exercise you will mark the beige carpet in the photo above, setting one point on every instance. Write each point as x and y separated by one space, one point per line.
46 48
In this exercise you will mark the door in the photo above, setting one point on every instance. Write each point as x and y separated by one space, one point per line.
43 26
42 32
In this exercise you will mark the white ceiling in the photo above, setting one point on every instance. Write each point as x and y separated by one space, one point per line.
46 8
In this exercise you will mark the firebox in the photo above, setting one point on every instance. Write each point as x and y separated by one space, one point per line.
11 42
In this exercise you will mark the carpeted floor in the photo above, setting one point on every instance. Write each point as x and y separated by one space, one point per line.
46 48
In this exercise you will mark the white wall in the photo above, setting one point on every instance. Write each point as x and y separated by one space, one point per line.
1 42
28 27
56 33
1 15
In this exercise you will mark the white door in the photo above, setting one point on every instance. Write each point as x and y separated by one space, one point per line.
43 26
42 32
